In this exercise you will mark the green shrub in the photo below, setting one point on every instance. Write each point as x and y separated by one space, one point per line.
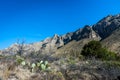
95 49
112 64
19 59
107 55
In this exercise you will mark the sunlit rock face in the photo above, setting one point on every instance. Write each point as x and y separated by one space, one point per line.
107 25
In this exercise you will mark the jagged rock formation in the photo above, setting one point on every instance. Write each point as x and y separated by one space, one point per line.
109 30
107 25
86 32
100 31
78 39
106 30
50 45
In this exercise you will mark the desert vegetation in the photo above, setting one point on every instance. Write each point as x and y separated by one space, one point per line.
94 49
94 62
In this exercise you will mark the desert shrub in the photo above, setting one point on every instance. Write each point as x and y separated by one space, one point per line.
112 64
48 76
95 49
107 55
19 59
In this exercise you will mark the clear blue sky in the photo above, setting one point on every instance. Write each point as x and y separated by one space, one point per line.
34 20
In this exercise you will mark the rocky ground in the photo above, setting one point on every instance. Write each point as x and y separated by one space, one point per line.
61 69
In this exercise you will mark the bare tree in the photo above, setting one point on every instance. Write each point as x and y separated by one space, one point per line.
20 46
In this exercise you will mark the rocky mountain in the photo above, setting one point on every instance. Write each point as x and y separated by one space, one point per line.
109 30
102 31
50 45
112 42
62 54
107 25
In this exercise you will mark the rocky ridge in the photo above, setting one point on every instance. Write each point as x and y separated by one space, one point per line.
107 25
50 45
100 31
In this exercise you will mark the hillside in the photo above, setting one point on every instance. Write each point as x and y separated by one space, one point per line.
59 57
113 41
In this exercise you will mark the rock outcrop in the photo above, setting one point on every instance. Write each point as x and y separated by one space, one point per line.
107 25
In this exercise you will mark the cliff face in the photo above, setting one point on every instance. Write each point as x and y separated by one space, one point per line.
107 25
109 30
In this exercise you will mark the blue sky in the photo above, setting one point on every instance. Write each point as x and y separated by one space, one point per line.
34 20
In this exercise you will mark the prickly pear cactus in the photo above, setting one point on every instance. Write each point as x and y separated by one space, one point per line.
38 64
33 65
41 62
23 63
43 67
46 63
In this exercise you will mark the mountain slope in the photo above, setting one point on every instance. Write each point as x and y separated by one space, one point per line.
113 41
106 30
106 27
109 30
50 45
80 38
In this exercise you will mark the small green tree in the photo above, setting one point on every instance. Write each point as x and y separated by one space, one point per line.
95 49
